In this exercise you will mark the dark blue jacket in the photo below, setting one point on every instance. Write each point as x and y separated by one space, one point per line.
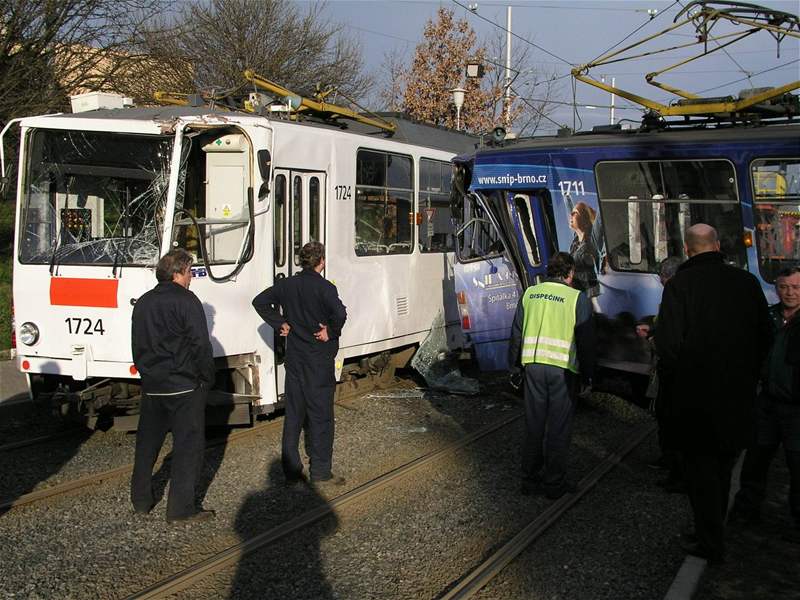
307 300
169 339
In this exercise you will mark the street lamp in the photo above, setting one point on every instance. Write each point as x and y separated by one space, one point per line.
458 100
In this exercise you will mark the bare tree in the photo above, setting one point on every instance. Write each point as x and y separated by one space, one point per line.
49 50
391 90
212 43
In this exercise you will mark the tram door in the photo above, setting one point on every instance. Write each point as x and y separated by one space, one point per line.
535 231
298 218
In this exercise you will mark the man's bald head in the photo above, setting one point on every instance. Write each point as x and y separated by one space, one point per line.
701 238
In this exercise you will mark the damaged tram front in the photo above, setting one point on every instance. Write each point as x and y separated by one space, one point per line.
101 198
102 195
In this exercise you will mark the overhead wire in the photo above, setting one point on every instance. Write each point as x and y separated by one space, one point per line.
519 37
711 89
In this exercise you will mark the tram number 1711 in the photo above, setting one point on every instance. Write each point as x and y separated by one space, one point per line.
571 187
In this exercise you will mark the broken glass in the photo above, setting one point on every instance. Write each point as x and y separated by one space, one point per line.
438 365
94 197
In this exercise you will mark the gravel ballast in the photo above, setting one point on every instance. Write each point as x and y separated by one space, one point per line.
413 539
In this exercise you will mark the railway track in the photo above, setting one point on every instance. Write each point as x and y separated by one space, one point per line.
40 439
344 398
468 585
191 575
473 582
95 478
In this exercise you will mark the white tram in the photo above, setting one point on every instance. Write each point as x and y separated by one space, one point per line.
103 194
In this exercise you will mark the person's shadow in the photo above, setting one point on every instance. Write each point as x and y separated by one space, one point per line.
19 474
302 572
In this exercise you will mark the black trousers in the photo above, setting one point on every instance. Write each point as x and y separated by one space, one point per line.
185 415
550 396
778 423
310 387
708 479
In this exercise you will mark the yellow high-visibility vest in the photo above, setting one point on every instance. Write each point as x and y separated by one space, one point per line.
549 326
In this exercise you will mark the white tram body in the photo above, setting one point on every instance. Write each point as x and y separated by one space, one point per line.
102 195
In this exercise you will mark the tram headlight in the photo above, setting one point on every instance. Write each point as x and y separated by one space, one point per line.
28 333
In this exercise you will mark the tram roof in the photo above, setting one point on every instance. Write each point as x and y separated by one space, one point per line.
408 131
638 137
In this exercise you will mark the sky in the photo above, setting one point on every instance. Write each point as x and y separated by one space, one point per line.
564 33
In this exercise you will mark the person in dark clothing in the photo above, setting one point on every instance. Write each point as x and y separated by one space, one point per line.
712 335
552 337
172 352
778 418
312 321
670 455
583 250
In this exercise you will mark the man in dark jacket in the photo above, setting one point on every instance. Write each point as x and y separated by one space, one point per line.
778 420
172 352
712 336
312 321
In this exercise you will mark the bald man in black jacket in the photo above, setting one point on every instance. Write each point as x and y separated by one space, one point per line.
712 337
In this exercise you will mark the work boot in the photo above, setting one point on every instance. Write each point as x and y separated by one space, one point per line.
556 493
329 482
200 515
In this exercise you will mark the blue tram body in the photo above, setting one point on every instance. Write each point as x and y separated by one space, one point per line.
639 192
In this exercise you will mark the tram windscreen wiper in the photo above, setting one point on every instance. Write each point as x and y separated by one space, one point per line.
55 249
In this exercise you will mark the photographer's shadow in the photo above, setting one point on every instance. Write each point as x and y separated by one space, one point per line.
302 573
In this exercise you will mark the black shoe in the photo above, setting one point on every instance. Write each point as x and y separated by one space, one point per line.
200 515
143 510
659 463
531 487
672 486
792 535
564 488
329 482
744 517
688 537
697 549
291 482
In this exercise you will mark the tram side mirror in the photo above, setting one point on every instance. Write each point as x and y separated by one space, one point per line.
264 159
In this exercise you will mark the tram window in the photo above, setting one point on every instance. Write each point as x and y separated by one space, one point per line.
383 204
522 206
776 195
478 239
313 209
279 220
436 232
216 193
647 207
297 217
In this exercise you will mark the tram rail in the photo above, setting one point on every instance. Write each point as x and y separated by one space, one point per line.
477 579
467 586
41 439
344 395
229 556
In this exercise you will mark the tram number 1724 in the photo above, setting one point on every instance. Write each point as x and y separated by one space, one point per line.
83 326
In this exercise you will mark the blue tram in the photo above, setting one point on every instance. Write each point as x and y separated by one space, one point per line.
622 200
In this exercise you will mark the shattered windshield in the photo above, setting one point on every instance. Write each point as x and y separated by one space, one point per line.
94 198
